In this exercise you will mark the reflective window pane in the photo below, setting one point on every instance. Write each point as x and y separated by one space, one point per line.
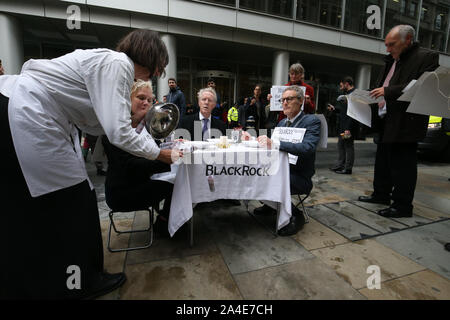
324 12
401 12
276 7
433 24
231 3
356 17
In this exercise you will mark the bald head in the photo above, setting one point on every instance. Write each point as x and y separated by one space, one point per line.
399 39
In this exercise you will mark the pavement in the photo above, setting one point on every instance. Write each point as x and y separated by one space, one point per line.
346 251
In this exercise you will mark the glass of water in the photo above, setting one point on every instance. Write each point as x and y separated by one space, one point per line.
235 135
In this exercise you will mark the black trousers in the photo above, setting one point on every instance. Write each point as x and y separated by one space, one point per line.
396 173
43 236
346 148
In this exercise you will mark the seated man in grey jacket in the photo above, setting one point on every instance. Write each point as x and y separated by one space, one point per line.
302 172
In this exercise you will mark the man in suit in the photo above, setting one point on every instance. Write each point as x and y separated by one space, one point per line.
347 130
302 172
396 157
202 125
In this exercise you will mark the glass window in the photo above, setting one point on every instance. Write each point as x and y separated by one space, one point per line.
433 24
231 3
325 12
400 12
276 7
356 16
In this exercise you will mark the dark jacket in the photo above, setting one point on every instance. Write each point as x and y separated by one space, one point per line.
302 173
258 113
399 125
188 123
176 96
346 122
127 176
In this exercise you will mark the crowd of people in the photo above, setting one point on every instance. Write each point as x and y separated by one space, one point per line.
107 93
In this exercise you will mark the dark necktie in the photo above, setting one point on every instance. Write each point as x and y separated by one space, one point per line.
205 128
288 123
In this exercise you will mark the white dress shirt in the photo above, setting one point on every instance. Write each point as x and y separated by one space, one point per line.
87 88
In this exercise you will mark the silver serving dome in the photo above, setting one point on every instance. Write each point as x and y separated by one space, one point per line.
162 119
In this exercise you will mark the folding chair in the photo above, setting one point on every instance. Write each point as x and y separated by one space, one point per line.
149 230
300 202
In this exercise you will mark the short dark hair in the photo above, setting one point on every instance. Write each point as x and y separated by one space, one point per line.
173 79
348 80
145 48
210 80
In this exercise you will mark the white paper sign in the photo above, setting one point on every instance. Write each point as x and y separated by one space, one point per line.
433 96
363 96
287 134
359 110
277 93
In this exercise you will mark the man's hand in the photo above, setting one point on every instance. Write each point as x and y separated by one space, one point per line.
378 92
347 132
169 155
253 101
264 141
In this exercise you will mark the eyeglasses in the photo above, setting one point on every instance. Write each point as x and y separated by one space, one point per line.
288 99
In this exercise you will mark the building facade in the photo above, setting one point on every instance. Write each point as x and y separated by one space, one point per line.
240 43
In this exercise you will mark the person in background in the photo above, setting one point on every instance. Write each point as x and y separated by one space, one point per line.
233 117
176 96
255 107
347 130
2 71
92 141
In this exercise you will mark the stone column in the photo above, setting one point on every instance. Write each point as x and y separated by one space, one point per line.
362 80
171 68
11 48
280 68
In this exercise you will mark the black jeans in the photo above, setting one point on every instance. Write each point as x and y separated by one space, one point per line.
396 173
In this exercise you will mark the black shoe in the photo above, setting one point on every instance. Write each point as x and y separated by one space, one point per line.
375 199
265 210
295 225
335 168
105 283
447 246
394 213
344 171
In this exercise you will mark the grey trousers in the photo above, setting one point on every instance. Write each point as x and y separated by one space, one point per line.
346 148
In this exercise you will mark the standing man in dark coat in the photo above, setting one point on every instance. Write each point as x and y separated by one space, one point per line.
396 158
255 107
347 130
176 96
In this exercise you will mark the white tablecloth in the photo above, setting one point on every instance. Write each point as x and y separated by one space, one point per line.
238 172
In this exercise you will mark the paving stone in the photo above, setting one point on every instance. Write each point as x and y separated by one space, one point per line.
203 277
424 244
300 280
415 220
315 235
435 202
114 261
164 247
343 225
351 260
368 218
423 285
428 213
245 245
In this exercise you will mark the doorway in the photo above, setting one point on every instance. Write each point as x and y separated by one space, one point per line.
225 85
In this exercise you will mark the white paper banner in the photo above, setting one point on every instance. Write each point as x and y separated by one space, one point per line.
287 134
277 92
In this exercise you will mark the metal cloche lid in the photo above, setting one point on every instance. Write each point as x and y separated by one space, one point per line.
162 119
